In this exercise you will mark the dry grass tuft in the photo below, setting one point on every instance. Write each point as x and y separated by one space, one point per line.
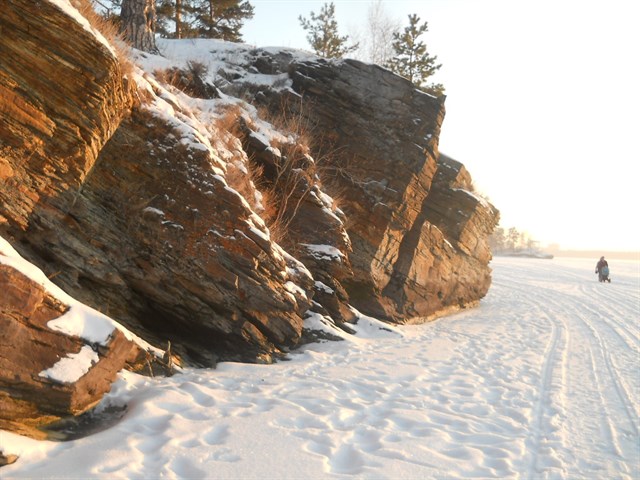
242 175
292 121
192 80
285 190
230 119
109 30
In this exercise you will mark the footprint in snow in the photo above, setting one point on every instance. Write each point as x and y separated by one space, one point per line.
151 444
185 468
199 396
224 455
217 435
157 424
346 459
190 443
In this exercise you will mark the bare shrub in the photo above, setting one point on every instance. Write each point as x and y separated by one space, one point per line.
168 76
283 199
287 179
197 69
241 174
242 181
291 119
287 185
230 119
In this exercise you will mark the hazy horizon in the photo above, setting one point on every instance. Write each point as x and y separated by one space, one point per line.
594 254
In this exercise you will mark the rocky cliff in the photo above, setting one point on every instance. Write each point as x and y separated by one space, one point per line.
407 262
220 195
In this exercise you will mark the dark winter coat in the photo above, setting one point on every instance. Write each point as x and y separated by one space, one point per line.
600 265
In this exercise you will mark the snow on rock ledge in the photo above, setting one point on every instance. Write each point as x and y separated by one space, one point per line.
57 356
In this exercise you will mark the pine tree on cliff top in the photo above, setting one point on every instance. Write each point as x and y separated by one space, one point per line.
222 19
175 18
323 33
412 60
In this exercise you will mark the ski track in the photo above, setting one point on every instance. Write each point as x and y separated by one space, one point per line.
598 402
540 382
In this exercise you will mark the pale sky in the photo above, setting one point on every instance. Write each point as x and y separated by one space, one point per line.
543 104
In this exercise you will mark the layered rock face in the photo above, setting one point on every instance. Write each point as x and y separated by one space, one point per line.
446 254
380 141
385 139
60 101
155 239
62 95
179 254
311 225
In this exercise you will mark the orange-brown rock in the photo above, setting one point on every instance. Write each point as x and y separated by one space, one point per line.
129 212
28 347
62 94
464 217
177 254
444 258
314 228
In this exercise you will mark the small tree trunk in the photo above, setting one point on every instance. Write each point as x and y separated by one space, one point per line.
212 15
178 18
138 24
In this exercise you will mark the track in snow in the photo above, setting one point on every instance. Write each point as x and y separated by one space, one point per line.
588 413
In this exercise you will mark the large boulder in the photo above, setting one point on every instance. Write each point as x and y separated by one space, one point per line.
47 374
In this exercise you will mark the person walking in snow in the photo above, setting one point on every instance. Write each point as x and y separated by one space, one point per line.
602 269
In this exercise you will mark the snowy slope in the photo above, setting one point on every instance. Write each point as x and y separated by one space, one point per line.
540 381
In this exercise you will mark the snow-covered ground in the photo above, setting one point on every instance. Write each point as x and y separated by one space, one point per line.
540 381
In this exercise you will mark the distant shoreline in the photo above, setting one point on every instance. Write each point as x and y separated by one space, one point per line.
596 254
525 254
